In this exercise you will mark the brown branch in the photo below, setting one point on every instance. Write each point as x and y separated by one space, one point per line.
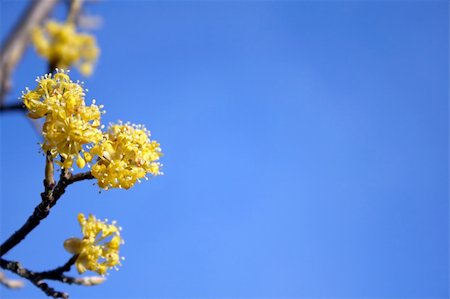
33 277
49 198
81 177
60 270
37 277
14 46
57 274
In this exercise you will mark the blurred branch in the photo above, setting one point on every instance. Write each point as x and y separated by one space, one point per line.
74 10
57 274
14 46
78 16
33 277
10 283
12 107
49 198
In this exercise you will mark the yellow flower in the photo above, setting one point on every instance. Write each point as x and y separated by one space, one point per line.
64 47
126 155
69 124
99 249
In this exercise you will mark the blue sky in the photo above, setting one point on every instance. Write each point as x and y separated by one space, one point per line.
306 150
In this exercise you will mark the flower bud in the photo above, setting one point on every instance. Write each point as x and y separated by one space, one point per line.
73 245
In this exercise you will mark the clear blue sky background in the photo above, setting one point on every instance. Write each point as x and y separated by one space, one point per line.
306 150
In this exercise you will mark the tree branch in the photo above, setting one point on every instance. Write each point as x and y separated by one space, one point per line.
74 10
12 107
56 274
34 277
49 198
14 46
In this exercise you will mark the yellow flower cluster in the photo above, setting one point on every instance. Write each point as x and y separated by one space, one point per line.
64 47
99 249
126 155
69 123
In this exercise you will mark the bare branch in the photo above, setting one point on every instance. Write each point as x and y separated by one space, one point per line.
37 277
49 198
12 107
81 177
17 268
57 274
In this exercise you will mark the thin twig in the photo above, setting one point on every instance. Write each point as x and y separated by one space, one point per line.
81 177
49 198
12 107
17 268
57 274
37 277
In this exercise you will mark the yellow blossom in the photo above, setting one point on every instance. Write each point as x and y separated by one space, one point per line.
126 155
99 249
69 124
64 47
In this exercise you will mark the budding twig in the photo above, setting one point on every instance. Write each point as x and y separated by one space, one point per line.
57 274
10 283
